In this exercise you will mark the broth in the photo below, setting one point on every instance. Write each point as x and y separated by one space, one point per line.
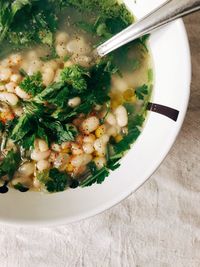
67 116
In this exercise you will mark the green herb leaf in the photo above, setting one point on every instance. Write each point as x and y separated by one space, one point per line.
88 27
150 75
28 141
32 84
54 180
125 143
21 187
10 164
21 129
97 176
2 127
27 22
50 56
7 14
134 64
76 77
141 91
51 94
60 133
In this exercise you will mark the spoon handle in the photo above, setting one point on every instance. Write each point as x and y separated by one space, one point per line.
167 12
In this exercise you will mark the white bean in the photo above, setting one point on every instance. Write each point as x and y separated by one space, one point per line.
27 169
74 102
61 161
82 60
15 59
89 138
57 75
100 162
48 76
68 63
56 147
104 138
77 161
5 74
34 67
110 119
112 131
86 159
25 66
100 146
76 150
62 38
50 64
90 124
21 93
36 183
26 181
98 107
16 78
37 156
78 46
81 160
5 63
18 111
88 148
2 88
125 130
121 116
61 50
10 98
65 145
32 55
42 145
10 87
52 156
43 165
119 84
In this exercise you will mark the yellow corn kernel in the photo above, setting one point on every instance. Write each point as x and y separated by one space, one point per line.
116 100
100 131
128 94
69 168
134 99
114 104
118 138
95 154
65 150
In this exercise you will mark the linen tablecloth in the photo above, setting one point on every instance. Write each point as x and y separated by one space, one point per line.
159 225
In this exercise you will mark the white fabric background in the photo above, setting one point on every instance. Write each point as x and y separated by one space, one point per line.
159 225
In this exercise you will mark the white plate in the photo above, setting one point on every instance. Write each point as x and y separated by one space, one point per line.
171 57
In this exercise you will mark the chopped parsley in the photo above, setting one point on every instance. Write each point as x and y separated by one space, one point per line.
53 180
10 164
76 77
20 187
32 84
142 91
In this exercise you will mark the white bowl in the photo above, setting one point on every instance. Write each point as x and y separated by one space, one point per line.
171 57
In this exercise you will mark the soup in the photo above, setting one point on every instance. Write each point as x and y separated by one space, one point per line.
67 117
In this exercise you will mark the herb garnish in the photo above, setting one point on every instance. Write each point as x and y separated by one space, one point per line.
53 180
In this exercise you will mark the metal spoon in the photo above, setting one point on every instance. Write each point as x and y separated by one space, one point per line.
167 12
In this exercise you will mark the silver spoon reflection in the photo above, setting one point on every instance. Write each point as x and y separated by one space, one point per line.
167 12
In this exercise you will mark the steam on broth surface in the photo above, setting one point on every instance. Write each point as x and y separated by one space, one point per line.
66 116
